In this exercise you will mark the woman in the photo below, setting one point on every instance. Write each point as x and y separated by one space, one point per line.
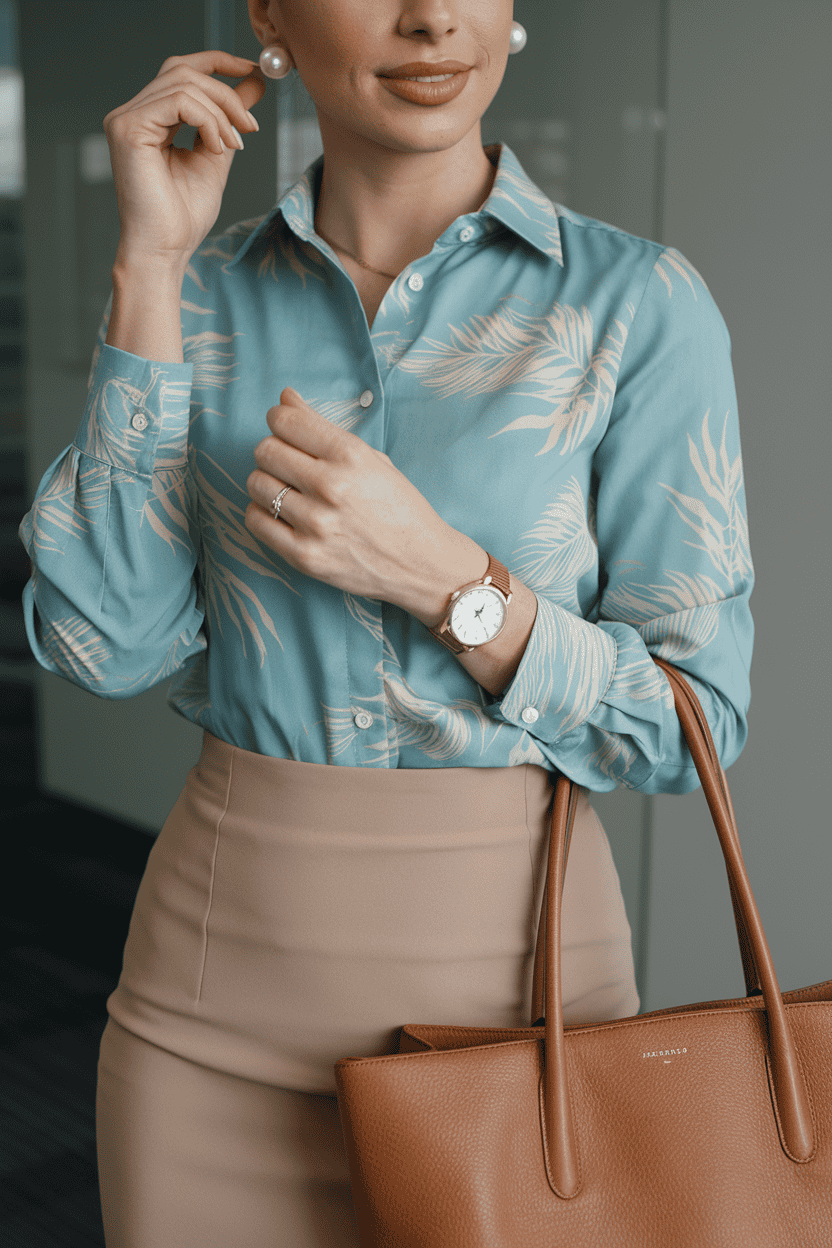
405 483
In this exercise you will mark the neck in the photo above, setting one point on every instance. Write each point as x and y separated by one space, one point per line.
387 208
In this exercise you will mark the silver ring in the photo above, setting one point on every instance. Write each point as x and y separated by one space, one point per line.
276 502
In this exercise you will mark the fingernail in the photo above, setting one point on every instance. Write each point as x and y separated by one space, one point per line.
253 120
239 138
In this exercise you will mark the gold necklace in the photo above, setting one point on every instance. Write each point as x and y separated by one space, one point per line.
363 263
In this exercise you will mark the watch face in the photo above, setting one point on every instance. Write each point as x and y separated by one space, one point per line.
478 615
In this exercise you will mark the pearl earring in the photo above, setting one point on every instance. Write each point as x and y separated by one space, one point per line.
517 38
274 60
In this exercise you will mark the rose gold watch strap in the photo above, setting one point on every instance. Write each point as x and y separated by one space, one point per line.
500 577
499 574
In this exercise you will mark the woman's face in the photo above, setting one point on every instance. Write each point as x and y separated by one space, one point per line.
340 48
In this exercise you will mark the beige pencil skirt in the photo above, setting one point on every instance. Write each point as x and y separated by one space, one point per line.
291 914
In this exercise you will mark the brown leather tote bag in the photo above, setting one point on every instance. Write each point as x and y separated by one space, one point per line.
700 1126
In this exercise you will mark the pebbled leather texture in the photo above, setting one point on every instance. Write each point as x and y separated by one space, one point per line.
699 1126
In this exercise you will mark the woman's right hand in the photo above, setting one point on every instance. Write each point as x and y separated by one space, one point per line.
170 197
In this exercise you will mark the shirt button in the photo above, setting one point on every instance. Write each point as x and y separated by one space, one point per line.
366 398
363 719
529 714
139 421
467 233
415 281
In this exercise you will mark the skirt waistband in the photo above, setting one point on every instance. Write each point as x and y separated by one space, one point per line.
316 794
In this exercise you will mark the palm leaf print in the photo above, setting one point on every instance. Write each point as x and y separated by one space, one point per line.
441 732
566 644
345 413
389 345
189 689
683 617
108 434
612 749
74 648
340 727
636 676
581 386
355 606
171 663
672 260
398 295
635 603
291 249
525 194
372 622
296 200
504 348
558 550
226 245
225 537
553 352
169 496
526 750
203 351
724 541
677 637
55 511
438 730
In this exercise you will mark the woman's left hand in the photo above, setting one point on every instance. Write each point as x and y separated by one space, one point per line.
351 519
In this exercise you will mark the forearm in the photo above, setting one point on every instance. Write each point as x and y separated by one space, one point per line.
110 602
146 314
494 664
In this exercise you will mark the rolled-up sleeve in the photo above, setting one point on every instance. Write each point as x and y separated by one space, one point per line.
675 564
112 603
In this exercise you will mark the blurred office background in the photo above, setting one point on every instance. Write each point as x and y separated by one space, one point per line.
700 123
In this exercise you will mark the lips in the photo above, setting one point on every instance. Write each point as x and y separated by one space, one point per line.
423 69
430 93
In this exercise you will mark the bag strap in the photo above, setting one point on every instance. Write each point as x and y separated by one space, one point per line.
790 1101
753 988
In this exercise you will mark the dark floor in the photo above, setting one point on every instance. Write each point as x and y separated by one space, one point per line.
66 893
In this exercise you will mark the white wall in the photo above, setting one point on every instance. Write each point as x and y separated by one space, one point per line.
748 190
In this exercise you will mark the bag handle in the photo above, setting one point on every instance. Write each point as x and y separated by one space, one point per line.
788 1090
753 988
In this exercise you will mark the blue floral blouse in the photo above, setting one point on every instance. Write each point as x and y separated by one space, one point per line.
559 390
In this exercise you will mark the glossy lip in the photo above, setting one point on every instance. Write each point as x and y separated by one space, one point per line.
427 92
423 69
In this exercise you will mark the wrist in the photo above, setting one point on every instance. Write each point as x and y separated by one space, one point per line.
145 316
145 271
465 561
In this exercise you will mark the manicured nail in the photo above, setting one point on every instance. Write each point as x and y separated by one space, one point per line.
253 120
239 138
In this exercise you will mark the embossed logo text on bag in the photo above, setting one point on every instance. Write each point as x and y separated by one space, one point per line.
665 1053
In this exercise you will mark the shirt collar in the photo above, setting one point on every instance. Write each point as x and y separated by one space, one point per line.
515 202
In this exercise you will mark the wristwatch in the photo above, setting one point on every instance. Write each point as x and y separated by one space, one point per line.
477 612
